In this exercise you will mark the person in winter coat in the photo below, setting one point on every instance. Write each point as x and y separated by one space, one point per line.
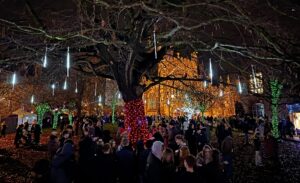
37 131
125 162
220 133
63 163
227 150
189 174
87 151
104 168
19 135
52 145
154 165
168 166
191 137
142 160
3 129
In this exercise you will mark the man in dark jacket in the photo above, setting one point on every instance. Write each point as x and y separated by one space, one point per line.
37 131
220 133
104 167
154 165
62 166
143 160
125 162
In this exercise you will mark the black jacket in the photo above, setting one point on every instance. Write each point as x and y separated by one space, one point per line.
153 169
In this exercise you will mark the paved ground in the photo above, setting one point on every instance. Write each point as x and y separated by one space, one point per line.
15 164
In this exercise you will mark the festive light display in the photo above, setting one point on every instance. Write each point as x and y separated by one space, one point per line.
254 77
32 99
99 99
53 89
275 94
76 89
68 62
95 91
14 80
240 86
154 41
45 61
205 84
221 93
135 121
65 84
41 109
55 113
210 71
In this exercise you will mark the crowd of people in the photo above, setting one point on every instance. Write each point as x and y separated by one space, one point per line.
179 150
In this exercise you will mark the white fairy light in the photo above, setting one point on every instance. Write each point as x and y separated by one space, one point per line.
99 99
119 95
65 84
95 91
254 77
68 62
221 93
210 71
76 89
155 48
240 86
14 80
172 96
205 84
53 89
32 99
168 102
45 61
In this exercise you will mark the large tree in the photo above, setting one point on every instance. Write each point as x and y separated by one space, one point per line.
115 39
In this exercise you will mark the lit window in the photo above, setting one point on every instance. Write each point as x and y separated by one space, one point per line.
256 83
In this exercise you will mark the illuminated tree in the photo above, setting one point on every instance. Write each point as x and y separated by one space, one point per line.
275 97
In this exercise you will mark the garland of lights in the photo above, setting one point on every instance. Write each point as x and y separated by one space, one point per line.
275 94
41 109
135 121
55 119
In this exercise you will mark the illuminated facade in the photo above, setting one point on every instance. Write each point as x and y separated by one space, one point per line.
171 98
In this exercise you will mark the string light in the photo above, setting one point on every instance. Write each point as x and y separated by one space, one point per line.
99 99
254 77
53 88
45 61
14 79
210 71
168 102
135 121
172 96
68 62
240 86
221 93
154 41
32 99
95 91
119 95
275 94
205 84
65 84
76 89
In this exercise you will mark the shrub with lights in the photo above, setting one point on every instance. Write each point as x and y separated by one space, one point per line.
41 109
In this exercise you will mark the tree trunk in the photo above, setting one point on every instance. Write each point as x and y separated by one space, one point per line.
135 120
